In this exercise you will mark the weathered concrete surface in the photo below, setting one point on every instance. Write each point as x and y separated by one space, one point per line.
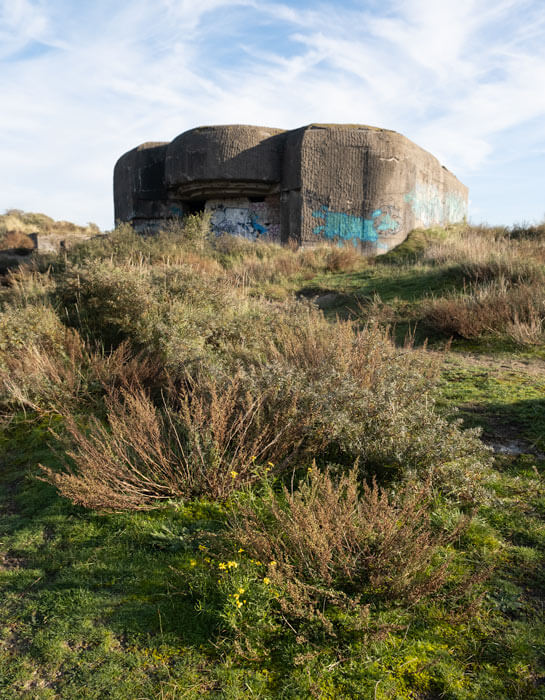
344 183
140 195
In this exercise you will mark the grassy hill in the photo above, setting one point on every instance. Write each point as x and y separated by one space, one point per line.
236 470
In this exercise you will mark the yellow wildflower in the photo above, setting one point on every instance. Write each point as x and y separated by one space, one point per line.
270 464
232 564
234 474
241 591
266 580
222 565
193 562
202 548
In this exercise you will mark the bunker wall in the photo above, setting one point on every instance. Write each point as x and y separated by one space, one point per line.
349 184
140 195
370 187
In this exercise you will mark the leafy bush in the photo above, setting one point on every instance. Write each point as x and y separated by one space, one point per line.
106 301
359 398
330 391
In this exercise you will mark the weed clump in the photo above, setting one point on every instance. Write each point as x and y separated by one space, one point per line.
334 543
515 311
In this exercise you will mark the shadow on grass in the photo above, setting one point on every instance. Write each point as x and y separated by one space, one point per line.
507 424
390 283
75 565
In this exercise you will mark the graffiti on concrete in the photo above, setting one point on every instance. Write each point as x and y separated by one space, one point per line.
176 211
341 227
241 217
431 207
353 184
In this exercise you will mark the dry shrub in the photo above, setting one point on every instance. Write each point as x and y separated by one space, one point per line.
529 231
203 442
318 389
16 240
343 258
193 229
71 377
24 326
499 307
486 254
333 543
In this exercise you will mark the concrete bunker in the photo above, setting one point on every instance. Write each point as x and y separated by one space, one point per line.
343 183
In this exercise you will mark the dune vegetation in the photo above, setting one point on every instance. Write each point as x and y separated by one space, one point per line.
230 469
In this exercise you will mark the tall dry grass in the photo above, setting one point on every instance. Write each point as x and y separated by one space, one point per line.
484 254
23 223
515 311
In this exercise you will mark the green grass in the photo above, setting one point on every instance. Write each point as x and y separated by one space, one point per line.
136 605
109 605
506 398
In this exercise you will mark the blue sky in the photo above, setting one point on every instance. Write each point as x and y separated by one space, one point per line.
83 82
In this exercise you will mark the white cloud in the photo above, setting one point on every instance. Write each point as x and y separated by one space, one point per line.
82 83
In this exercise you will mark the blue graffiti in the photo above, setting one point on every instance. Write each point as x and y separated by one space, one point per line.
342 227
259 228
430 207
176 211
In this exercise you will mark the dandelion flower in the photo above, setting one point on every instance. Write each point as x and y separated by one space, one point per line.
266 580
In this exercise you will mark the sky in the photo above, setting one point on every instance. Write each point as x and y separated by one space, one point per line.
83 82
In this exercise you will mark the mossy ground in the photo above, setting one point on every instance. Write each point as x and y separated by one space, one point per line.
98 605
104 606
